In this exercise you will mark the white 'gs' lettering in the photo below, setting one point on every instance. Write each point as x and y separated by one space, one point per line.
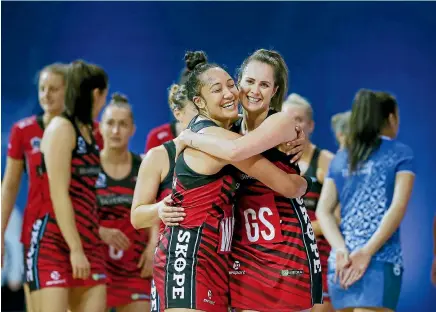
33 242
180 263
253 225
311 235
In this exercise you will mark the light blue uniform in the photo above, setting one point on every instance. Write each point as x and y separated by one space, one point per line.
365 196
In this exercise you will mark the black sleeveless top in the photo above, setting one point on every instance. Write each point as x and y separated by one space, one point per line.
312 197
167 183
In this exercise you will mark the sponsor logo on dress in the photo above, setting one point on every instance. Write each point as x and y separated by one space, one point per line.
236 269
55 279
310 235
209 298
140 296
291 272
81 145
33 248
98 276
179 277
101 180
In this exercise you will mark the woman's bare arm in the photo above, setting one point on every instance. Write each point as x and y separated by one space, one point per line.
145 210
57 145
276 129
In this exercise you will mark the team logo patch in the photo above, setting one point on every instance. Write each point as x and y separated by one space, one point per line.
35 142
81 145
180 268
101 181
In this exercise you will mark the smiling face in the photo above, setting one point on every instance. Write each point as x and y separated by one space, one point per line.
219 96
257 87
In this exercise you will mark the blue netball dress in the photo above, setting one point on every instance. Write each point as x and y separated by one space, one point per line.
365 196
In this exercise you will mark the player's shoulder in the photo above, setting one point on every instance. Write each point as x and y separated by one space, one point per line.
156 154
326 155
339 161
26 122
399 148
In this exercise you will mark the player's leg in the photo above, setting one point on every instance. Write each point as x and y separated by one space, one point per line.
85 299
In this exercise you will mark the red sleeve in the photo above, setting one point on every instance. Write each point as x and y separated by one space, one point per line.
97 135
15 145
152 141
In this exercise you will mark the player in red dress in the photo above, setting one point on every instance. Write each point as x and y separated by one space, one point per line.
23 149
155 179
192 259
65 258
314 163
24 154
276 265
125 249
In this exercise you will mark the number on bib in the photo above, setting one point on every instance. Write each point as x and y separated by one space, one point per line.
115 254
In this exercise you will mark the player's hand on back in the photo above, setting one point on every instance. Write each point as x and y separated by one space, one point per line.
295 147
182 141
170 216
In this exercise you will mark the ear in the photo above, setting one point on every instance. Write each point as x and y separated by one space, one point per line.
392 120
311 126
96 93
199 102
177 114
133 130
275 90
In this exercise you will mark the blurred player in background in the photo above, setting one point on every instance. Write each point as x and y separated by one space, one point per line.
128 258
314 163
24 153
168 131
340 125
65 265
372 178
